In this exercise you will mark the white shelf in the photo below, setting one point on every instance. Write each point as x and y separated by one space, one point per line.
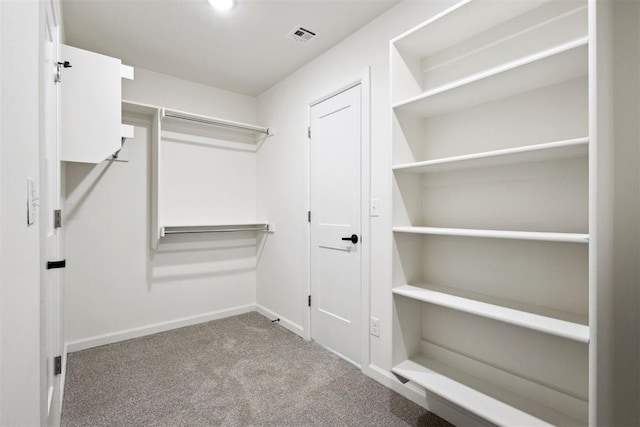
216 228
161 120
548 325
496 234
214 121
573 148
499 406
139 108
556 65
148 110
469 17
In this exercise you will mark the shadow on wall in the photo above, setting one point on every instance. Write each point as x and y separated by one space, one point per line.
81 180
196 256
108 208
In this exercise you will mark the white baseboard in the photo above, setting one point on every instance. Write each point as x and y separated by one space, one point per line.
293 327
435 404
127 334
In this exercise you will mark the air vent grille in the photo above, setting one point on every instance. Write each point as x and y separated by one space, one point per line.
301 34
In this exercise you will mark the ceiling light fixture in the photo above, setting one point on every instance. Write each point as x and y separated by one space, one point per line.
222 4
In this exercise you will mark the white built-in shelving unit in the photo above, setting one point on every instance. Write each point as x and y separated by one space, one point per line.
202 170
490 111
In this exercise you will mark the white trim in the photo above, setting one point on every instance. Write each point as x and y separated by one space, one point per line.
284 322
336 92
417 395
341 356
127 334
365 221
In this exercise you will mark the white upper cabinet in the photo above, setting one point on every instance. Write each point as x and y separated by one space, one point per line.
91 114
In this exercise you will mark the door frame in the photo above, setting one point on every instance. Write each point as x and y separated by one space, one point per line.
50 15
364 80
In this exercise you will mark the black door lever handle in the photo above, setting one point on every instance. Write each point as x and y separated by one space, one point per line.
353 238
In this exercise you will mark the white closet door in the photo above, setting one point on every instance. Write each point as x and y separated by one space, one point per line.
335 207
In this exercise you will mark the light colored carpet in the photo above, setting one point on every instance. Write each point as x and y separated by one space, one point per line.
238 371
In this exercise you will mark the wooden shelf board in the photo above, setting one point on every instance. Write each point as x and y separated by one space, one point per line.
549 325
497 405
496 234
573 148
469 17
556 65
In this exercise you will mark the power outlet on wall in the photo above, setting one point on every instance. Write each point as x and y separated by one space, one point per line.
375 327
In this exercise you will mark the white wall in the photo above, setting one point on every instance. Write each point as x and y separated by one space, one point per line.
116 286
283 167
626 212
19 245
159 89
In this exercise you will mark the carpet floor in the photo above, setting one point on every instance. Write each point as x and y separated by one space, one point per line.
239 371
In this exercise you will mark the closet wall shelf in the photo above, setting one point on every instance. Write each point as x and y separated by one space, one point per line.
434 295
139 108
499 406
469 17
496 234
567 149
148 110
155 116
213 121
569 61
218 228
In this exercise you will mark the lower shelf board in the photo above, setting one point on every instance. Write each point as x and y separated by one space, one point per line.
496 405
548 325
496 234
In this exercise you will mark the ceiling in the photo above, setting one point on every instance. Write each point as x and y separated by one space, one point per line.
245 50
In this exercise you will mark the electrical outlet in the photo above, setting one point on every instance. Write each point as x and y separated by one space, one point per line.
375 327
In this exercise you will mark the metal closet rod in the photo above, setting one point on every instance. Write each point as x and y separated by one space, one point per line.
215 229
215 122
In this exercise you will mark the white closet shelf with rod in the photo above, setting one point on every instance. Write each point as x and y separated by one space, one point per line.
140 113
137 108
174 114
217 228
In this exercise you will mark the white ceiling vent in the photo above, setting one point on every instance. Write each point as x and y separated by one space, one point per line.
301 35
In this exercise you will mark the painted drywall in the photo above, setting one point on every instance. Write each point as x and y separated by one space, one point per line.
20 370
626 212
116 286
283 168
